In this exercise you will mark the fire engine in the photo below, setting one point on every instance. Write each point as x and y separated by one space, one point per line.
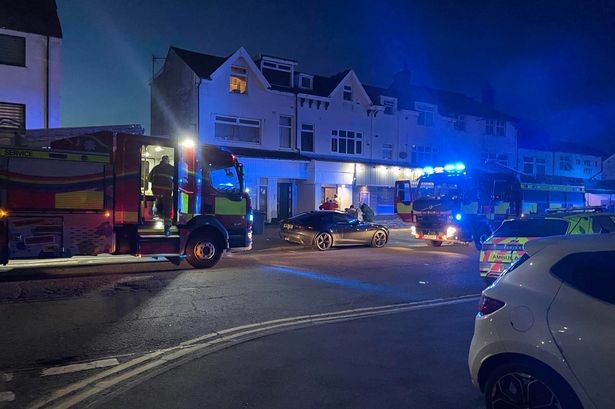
454 204
90 194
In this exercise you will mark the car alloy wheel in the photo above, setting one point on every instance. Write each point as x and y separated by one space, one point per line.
521 391
323 241
379 239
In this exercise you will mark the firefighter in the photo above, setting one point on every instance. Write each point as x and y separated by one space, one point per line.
161 178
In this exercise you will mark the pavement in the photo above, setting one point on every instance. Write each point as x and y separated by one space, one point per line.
279 326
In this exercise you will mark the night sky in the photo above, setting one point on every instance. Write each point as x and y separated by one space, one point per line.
551 61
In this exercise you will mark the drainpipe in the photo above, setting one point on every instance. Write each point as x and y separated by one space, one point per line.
297 122
46 110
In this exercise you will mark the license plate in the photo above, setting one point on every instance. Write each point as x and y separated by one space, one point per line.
430 237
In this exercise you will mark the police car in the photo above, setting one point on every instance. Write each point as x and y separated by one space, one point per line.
506 244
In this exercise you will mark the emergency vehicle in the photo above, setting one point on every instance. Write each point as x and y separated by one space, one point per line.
505 246
90 194
458 205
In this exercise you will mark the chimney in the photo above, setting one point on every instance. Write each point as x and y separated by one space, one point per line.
402 80
488 95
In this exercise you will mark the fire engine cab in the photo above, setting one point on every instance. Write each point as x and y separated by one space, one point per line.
90 194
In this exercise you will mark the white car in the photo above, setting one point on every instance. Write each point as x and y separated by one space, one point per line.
545 333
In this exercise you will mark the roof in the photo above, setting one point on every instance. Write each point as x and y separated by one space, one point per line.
449 103
203 65
533 135
31 16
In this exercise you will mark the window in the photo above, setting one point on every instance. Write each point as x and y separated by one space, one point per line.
237 129
12 50
532 228
349 142
534 166
565 163
460 123
225 179
422 155
305 81
347 93
597 281
277 73
387 151
587 163
425 117
489 126
307 137
390 105
603 224
285 131
587 171
12 115
500 158
578 161
500 128
238 82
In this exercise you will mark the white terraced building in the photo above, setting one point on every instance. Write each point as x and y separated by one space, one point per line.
304 137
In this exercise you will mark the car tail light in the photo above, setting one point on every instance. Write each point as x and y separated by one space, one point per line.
488 305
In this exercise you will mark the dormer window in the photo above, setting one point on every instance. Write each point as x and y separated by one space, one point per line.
306 81
347 93
278 73
390 105
238 81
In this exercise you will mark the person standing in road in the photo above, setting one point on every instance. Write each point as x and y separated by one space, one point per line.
162 177
368 213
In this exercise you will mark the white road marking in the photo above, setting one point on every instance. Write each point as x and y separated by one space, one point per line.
7 396
77 392
58 370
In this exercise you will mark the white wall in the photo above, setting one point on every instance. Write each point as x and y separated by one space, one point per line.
27 85
579 167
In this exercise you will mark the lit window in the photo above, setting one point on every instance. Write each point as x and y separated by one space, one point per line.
285 131
238 80
425 117
347 93
348 142
237 129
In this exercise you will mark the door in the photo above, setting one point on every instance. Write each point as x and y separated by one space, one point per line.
285 200
582 320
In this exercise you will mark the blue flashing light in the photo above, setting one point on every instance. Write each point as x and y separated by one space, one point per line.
449 167
428 170
458 216
460 166
438 169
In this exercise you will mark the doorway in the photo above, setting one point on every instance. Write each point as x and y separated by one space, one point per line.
285 200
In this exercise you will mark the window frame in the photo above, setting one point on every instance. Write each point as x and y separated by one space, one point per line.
311 131
389 104
570 277
239 76
342 137
306 77
500 128
240 122
388 148
288 127
23 47
426 115
347 93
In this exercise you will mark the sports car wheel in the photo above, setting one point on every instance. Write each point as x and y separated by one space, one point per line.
379 239
323 241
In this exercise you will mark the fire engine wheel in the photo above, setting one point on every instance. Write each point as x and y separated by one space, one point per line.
434 243
203 251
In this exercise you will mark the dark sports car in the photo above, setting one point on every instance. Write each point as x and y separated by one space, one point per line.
327 228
